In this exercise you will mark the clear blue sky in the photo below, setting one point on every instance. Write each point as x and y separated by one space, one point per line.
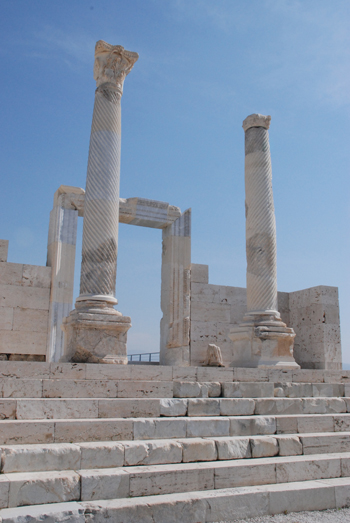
204 66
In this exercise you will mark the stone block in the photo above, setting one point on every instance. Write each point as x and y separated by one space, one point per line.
328 390
341 423
4 245
198 449
212 312
18 388
323 405
243 503
214 389
23 342
248 390
145 389
203 407
164 428
15 432
184 373
4 492
233 448
24 297
28 370
214 374
11 273
151 373
250 375
70 371
8 408
6 318
37 458
79 389
173 407
325 443
309 424
199 273
57 409
207 427
244 473
301 496
186 389
100 371
43 487
170 479
129 408
308 469
101 455
280 375
205 292
30 320
36 276
264 446
296 390
152 452
337 376
93 430
342 492
237 406
278 406
290 446
104 484
60 513
252 425
287 424
307 376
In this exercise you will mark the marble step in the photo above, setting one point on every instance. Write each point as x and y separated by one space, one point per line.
111 454
208 506
13 387
114 429
32 488
18 369
75 408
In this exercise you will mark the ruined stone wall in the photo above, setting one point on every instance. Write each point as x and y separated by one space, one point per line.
24 309
313 314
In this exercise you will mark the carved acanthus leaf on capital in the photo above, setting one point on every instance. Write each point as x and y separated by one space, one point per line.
112 64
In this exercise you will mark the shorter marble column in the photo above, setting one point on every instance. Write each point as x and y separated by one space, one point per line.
262 340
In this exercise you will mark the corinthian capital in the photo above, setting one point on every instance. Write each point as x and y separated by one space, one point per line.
112 64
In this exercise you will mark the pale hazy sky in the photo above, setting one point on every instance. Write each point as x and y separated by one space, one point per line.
204 66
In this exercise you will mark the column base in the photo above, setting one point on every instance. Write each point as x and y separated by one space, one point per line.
263 346
94 335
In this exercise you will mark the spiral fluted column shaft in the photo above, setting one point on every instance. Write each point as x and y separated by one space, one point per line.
101 213
260 220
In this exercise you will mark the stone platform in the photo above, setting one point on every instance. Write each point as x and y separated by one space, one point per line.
92 443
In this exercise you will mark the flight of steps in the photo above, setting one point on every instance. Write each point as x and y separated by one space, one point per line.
152 444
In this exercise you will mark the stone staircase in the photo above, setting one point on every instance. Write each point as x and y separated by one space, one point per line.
153 444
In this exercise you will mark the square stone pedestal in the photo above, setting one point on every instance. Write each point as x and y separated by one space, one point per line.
263 346
96 337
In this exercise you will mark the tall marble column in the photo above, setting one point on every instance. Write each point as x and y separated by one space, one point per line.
95 331
262 340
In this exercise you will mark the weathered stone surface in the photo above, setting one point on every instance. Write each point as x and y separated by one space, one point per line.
186 389
53 513
207 427
252 425
21 388
300 469
299 496
129 408
57 408
198 449
199 273
264 446
145 389
104 484
35 458
152 452
290 446
308 424
100 455
8 409
161 428
22 432
203 407
240 474
233 448
278 406
317 444
79 389
214 356
237 407
173 407
214 389
93 430
248 390
43 487
4 492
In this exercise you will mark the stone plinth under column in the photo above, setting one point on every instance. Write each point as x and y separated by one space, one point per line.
95 335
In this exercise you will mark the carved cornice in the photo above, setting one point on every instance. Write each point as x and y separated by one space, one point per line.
256 120
112 64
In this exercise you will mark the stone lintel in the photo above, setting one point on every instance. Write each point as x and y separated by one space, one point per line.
256 120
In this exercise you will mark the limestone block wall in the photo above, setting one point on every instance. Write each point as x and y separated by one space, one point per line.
24 309
313 314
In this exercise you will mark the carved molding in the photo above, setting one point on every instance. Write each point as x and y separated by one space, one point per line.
256 120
